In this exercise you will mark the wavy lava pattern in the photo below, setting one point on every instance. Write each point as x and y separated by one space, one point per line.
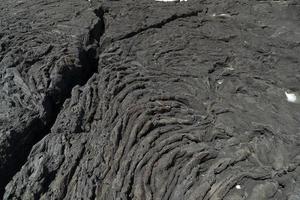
155 123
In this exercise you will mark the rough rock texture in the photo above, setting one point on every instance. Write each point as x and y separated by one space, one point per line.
45 50
184 100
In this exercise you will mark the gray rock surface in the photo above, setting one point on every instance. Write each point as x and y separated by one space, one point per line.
45 50
179 100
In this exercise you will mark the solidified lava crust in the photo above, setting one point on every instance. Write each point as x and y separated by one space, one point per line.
150 100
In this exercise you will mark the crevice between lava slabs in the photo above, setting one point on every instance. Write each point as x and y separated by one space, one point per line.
40 127
159 24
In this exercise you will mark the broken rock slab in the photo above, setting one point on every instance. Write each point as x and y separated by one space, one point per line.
43 55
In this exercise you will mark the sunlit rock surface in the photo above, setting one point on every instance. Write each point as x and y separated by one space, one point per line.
149 100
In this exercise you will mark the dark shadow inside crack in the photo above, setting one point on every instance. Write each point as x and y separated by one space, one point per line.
39 127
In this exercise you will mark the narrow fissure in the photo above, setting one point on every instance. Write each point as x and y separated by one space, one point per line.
159 24
40 127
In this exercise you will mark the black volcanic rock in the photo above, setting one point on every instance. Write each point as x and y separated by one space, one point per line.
44 52
150 100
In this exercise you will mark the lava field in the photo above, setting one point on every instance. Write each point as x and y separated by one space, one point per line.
150 100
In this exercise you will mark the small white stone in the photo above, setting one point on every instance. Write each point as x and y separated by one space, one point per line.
291 97
220 82
170 0
224 15
238 187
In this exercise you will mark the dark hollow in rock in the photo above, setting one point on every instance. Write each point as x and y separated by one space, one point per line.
38 72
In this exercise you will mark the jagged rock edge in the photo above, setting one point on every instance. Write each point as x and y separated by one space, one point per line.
88 57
